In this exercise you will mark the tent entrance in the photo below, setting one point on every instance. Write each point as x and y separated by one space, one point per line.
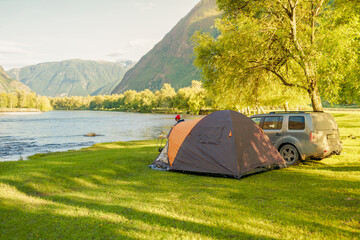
162 161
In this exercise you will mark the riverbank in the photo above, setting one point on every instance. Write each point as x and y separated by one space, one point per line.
25 135
108 192
14 111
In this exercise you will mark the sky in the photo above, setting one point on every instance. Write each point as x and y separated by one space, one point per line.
35 31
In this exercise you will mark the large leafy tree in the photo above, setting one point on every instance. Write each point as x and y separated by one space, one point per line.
270 46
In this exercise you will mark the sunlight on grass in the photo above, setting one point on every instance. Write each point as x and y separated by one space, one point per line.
108 192
69 211
329 174
10 196
84 183
120 145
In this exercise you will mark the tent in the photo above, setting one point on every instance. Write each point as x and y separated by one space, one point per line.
223 142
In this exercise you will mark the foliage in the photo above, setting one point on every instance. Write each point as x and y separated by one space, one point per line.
22 99
274 45
194 99
190 99
108 192
341 54
165 96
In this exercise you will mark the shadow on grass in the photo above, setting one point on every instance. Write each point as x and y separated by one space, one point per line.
322 166
271 197
311 162
306 201
163 222
282 198
342 169
21 224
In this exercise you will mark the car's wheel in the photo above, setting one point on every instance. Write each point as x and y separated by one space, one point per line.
289 154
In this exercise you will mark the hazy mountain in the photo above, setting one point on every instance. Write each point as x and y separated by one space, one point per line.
72 77
8 84
171 60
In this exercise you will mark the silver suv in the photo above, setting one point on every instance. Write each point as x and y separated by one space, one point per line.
301 135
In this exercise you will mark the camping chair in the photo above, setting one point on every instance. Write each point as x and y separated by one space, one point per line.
160 141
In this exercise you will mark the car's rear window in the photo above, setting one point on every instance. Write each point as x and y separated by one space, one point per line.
324 121
273 122
296 123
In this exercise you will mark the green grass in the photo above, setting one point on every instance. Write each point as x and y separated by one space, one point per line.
108 192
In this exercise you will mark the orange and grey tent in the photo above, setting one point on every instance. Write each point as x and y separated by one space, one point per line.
224 142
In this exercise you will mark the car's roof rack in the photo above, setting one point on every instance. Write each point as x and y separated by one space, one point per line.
292 112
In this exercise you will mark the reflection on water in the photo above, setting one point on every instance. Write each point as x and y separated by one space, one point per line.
25 135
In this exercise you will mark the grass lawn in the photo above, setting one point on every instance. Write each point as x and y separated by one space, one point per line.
108 192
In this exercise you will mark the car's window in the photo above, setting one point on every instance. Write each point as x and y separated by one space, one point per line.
324 121
296 122
257 120
272 122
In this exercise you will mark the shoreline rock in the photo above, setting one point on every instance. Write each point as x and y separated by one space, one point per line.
92 134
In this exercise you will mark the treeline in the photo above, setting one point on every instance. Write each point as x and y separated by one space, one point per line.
189 99
22 99
194 99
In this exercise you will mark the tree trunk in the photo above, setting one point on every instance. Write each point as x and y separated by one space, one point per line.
286 106
315 99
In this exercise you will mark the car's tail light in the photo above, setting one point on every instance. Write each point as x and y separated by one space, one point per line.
313 137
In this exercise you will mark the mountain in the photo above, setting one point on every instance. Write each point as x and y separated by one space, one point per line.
72 77
8 84
171 60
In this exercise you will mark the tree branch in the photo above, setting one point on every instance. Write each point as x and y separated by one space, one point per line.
318 7
284 7
283 80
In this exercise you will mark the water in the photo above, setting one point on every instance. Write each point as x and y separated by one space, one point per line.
23 135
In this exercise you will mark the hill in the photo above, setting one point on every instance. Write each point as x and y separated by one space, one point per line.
171 60
72 77
7 84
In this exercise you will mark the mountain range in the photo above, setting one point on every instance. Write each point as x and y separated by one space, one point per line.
72 77
7 84
171 60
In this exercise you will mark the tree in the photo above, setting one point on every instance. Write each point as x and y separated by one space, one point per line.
340 66
44 104
22 99
197 97
96 103
166 95
131 100
147 98
3 100
31 100
282 40
110 102
12 100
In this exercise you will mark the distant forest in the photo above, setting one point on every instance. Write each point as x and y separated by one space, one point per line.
192 100
23 100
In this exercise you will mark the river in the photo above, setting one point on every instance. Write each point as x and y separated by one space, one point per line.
23 135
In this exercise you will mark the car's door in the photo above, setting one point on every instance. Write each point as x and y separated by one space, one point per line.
296 129
273 127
